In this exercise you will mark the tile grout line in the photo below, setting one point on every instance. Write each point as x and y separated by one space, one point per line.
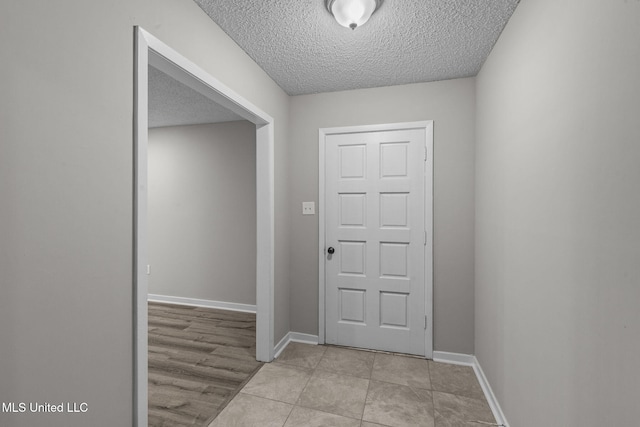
433 402
287 419
318 369
313 371
366 396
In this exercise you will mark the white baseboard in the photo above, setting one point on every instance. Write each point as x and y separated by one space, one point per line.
303 338
453 358
280 346
247 308
488 393
294 337
472 361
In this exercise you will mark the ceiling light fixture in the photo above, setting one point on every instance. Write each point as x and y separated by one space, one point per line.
352 13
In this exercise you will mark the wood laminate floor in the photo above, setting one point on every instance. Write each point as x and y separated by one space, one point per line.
199 358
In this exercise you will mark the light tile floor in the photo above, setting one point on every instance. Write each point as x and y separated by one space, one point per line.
314 386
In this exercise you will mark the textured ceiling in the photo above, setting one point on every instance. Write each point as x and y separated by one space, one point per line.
171 103
300 45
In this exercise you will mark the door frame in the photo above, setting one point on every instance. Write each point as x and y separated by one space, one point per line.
427 126
151 51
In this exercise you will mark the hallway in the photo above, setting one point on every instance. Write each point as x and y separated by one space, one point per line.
311 385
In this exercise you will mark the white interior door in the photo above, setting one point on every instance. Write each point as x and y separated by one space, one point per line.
375 240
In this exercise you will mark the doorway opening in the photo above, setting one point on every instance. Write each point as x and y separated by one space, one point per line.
149 51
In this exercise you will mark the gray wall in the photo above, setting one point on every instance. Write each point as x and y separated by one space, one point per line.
558 214
202 211
66 162
451 105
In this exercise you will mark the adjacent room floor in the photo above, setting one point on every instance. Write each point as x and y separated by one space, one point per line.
198 360
330 386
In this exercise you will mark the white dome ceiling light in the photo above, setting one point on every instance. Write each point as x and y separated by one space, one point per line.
352 13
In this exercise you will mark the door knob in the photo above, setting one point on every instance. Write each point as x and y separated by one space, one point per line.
331 250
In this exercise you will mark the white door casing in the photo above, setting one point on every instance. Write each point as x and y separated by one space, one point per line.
150 50
377 217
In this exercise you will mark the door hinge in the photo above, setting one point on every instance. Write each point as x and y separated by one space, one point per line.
425 238
425 322
425 154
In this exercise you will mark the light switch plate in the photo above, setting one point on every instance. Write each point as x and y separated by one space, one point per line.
308 208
